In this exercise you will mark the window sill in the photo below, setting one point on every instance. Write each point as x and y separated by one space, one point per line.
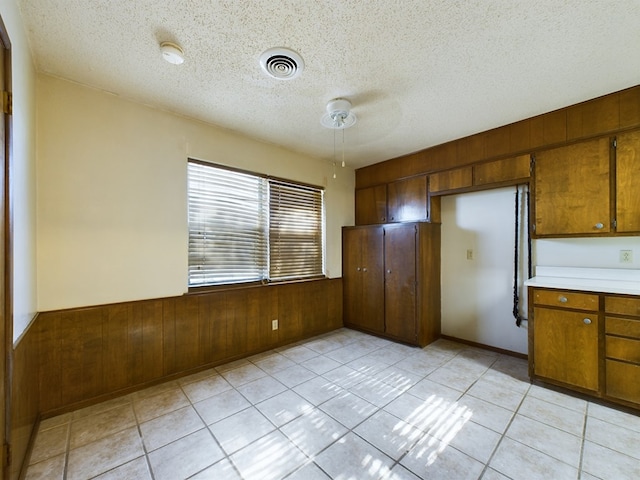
243 286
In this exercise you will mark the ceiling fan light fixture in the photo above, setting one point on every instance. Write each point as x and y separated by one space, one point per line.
339 114
172 53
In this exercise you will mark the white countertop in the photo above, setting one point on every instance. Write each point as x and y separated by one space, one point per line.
605 280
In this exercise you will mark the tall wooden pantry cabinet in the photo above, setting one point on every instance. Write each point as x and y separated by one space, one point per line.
391 280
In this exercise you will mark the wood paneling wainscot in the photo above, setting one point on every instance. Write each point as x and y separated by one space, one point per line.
90 354
25 395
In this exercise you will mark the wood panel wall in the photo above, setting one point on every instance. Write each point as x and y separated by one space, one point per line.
609 114
25 396
86 355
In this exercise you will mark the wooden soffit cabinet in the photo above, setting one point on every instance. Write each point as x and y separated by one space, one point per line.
609 114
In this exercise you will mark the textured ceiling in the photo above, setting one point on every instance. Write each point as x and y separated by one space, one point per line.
418 72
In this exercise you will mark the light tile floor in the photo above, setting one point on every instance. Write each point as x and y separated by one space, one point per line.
345 406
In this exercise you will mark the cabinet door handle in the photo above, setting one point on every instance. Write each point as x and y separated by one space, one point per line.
389 271
384 219
587 321
358 269
599 226
364 269
562 299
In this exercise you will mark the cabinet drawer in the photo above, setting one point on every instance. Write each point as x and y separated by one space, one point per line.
623 349
555 298
622 305
623 326
623 381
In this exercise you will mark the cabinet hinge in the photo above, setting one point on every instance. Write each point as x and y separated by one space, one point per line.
6 454
533 227
614 223
7 102
532 163
614 143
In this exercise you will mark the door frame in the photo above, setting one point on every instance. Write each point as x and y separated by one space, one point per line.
6 282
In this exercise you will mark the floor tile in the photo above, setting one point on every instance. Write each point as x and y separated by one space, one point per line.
56 421
50 469
318 390
344 376
400 473
232 365
491 474
423 414
556 443
262 389
320 364
616 417
367 365
558 398
221 406
487 414
347 354
299 353
351 458
434 392
496 394
223 470
397 377
554 415
50 443
274 363
244 374
185 457
167 428
608 464
270 458
293 376
136 469
613 437
239 430
206 387
388 434
348 409
105 454
150 407
94 427
284 407
432 458
116 402
470 438
518 461
309 472
313 431
376 392
421 363
456 378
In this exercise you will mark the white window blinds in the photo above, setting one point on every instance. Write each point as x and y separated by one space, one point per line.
295 231
246 228
227 226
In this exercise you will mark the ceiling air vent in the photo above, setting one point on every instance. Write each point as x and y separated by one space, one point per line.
281 63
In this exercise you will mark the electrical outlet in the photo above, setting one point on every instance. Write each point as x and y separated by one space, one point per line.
274 324
626 256
469 254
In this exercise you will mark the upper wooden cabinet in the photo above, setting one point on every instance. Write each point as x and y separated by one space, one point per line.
572 189
588 188
628 182
371 205
407 200
451 180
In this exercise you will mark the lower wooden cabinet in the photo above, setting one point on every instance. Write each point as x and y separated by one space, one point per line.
622 348
391 280
589 342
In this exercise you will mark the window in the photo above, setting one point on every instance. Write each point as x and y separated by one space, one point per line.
250 228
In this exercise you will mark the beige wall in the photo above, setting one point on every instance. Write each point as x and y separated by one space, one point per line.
112 215
23 192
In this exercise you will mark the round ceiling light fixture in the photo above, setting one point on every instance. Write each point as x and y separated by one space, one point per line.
282 63
172 53
339 114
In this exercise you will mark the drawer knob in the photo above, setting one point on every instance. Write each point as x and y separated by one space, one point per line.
587 321
364 269
562 299
358 269
599 226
